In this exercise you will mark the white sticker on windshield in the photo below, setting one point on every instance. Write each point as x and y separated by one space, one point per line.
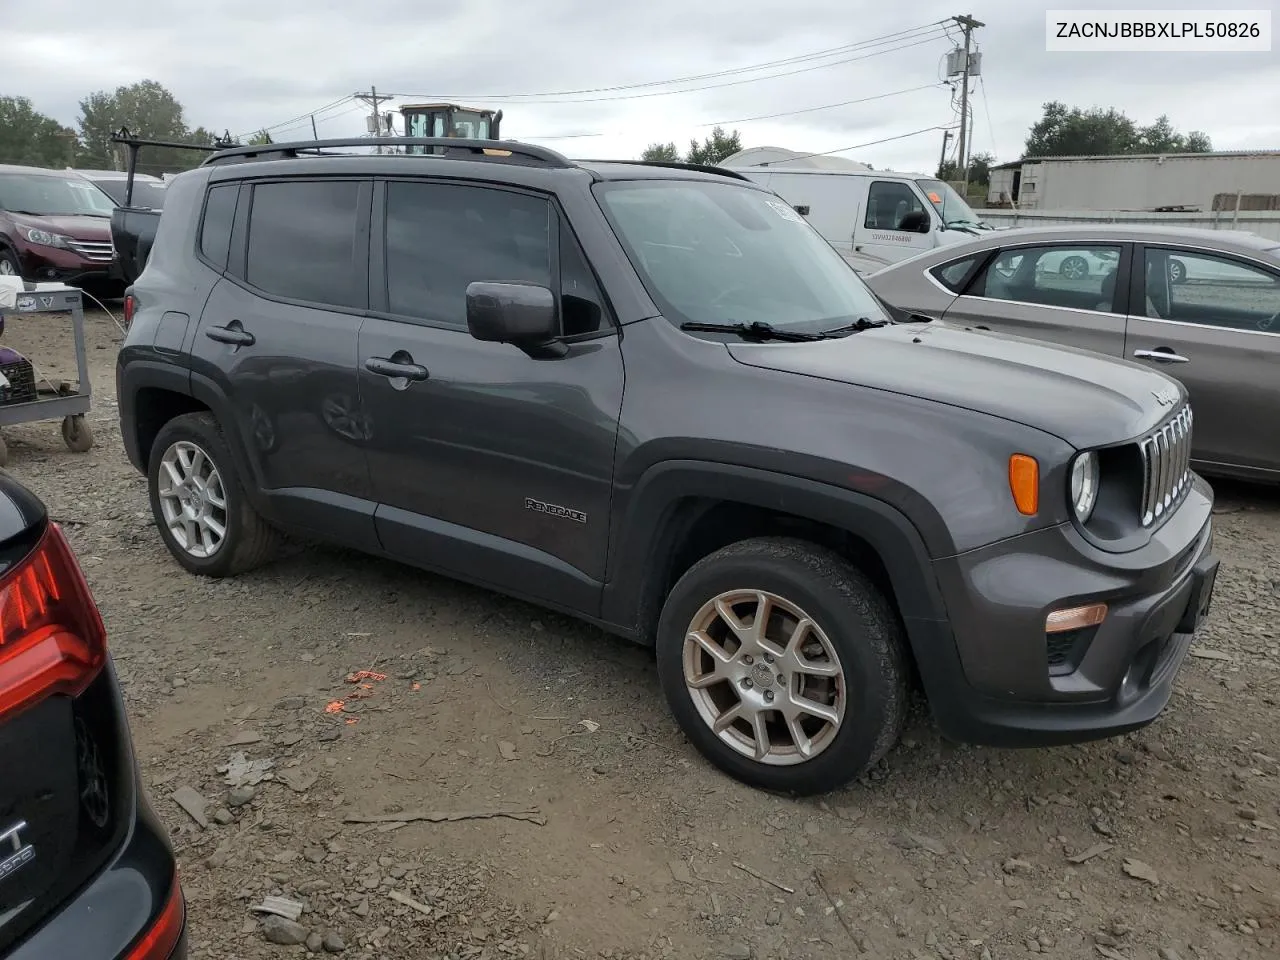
785 212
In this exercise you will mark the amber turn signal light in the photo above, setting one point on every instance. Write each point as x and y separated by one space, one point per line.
1024 483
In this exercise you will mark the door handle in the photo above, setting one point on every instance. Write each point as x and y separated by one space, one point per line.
1161 355
395 369
233 334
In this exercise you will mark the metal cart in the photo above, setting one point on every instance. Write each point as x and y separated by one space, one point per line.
23 399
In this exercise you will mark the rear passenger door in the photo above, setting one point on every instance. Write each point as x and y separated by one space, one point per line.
278 336
1069 293
488 464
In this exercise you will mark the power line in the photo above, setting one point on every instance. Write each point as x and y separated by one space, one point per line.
825 106
859 146
986 107
539 98
301 118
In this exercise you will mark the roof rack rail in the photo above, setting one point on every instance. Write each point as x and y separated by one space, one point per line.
679 165
455 147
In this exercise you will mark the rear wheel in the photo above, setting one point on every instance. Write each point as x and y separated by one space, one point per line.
199 503
1074 268
783 664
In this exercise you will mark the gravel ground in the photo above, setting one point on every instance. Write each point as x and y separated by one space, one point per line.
616 840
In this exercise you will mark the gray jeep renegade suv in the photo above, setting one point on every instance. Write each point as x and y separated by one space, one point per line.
652 397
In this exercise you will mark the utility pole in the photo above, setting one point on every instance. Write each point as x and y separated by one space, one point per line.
314 135
372 99
968 24
946 138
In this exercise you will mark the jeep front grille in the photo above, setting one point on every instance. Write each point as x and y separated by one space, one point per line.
1166 467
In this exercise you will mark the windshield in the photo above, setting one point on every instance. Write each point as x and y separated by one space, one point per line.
51 196
147 194
949 204
722 253
470 126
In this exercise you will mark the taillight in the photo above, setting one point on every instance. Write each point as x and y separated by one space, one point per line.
52 640
159 941
129 306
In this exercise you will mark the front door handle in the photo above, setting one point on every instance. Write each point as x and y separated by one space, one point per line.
1161 355
233 334
396 369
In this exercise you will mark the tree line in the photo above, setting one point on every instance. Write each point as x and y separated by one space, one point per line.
1061 131
150 111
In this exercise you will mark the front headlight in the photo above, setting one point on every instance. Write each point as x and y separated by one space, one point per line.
45 239
1084 485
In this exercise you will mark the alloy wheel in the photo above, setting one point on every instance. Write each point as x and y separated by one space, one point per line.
764 677
193 499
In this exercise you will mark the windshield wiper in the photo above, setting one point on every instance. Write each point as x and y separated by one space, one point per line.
862 323
756 330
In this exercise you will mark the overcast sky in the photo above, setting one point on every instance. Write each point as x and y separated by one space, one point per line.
246 64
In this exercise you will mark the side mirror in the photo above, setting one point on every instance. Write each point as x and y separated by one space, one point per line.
522 314
916 221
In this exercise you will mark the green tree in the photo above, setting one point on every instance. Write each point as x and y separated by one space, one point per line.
1161 137
261 138
979 169
30 138
715 148
661 151
149 111
1063 132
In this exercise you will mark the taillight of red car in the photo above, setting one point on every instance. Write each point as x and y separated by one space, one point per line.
130 305
52 640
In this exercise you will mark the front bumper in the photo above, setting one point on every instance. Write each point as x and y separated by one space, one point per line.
1009 685
52 264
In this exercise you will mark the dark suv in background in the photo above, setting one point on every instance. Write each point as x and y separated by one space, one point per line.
652 396
86 872
55 226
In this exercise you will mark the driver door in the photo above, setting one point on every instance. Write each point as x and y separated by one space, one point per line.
880 232
1213 321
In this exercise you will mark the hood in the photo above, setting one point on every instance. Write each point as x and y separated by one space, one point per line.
1085 398
77 228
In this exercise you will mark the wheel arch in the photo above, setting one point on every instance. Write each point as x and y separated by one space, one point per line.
680 511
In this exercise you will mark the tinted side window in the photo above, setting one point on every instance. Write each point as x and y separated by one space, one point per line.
303 239
1067 275
215 231
441 237
888 202
1214 291
951 275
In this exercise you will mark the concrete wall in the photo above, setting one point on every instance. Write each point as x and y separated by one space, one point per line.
1263 224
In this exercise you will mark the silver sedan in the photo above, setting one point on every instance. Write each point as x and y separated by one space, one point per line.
1200 305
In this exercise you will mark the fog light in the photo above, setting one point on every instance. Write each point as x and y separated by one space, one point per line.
1075 618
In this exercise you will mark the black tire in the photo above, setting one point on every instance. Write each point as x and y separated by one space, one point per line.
11 259
1177 271
249 541
1078 269
857 620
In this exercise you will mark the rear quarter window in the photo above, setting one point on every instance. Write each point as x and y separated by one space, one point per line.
215 230
954 274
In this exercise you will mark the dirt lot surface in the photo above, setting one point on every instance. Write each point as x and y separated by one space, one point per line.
622 843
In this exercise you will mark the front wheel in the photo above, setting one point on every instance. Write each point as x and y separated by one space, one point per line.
199 503
784 665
